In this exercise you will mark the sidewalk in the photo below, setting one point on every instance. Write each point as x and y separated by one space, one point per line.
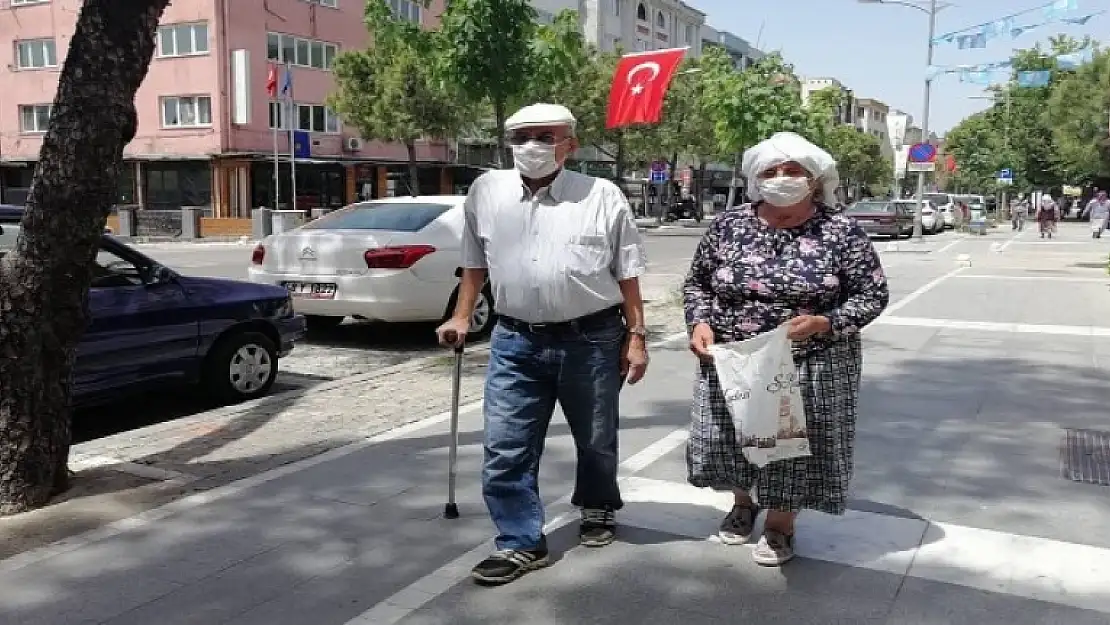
960 513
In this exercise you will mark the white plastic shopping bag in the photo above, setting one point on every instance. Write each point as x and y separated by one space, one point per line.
763 395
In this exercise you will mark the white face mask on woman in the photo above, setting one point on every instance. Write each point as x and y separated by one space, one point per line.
535 160
784 190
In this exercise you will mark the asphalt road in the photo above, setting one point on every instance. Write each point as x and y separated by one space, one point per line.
353 348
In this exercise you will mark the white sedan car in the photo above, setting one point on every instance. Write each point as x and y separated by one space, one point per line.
390 260
930 218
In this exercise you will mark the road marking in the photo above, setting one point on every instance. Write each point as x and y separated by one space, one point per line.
948 247
932 284
1046 277
994 326
72 543
1009 242
418 594
1023 566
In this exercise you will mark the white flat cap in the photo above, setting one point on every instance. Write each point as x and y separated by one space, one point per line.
541 115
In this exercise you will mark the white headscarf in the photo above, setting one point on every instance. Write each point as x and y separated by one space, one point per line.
785 147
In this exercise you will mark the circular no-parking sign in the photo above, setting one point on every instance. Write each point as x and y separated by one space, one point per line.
922 153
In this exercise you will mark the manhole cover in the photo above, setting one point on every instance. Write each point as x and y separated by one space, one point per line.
1087 457
1090 265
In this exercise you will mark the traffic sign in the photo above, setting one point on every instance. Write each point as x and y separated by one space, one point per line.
922 153
918 167
1006 176
659 171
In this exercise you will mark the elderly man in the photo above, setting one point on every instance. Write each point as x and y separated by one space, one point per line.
563 256
1098 211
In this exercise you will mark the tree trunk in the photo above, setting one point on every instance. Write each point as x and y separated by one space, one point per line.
499 117
732 188
619 158
44 282
414 171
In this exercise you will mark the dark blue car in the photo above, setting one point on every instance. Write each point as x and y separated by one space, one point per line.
150 326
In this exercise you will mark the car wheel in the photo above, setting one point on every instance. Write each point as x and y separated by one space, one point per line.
483 317
316 323
241 366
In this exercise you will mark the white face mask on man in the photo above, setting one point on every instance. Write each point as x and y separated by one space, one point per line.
785 190
535 160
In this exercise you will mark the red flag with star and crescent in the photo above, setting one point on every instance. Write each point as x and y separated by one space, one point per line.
639 86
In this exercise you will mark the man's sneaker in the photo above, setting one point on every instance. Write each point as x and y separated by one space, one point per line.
506 565
598 528
774 549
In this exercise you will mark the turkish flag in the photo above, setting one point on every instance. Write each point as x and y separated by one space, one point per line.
271 82
639 85
950 163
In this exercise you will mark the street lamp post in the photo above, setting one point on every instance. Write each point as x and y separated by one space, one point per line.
931 9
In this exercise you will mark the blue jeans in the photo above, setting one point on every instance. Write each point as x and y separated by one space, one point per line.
530 370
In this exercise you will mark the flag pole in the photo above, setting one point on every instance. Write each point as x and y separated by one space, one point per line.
277 158
292 139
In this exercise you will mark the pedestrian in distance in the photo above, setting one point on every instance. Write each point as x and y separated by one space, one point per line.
1019 212
1098 211
787 258
1047 215
563 256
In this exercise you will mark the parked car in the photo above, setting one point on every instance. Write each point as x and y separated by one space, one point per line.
930 219
150 326
390 260
10 216
883 217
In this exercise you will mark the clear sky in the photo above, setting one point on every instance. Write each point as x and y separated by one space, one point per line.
879 51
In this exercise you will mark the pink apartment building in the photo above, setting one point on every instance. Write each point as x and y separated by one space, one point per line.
205 118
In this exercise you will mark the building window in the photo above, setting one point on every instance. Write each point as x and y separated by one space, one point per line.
660 21
17 3
36 53
317 118
406 9
690 36
617 7
34 118
277 115
300 52
331 4
641 12
186 111
183 40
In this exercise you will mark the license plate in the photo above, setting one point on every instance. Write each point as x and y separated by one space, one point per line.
310 290
865 222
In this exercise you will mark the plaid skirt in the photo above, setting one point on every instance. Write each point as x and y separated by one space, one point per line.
830 381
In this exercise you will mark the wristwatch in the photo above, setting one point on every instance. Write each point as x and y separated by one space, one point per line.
639 331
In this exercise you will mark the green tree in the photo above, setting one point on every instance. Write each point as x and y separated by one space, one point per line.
822 114
44 281
980 151
389 91
1077 115
487 54
749 106
859 157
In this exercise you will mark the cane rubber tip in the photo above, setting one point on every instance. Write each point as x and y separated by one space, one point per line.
451 511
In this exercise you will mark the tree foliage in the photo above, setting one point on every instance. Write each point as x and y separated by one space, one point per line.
1049 136
390 92
488 53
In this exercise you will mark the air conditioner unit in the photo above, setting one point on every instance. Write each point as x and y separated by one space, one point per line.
353 144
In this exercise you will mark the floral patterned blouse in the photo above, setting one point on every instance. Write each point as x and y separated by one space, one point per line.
748 278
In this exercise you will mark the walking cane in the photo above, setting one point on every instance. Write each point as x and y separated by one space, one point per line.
451 510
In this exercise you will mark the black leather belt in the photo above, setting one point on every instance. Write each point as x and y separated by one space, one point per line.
584 322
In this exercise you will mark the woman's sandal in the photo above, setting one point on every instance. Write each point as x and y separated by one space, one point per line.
737 527
774 548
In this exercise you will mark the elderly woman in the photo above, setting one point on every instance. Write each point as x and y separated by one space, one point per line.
786 258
